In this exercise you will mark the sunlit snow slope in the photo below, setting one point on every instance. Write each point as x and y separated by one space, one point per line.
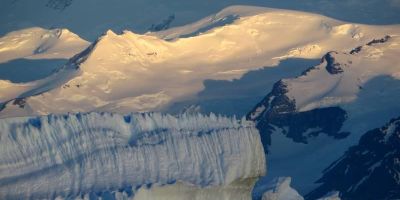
131 72
135 156
35 44
308 121
38 43
89 18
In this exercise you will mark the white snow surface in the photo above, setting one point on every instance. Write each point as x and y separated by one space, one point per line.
139 15
123 72
39 43
78 155
318 88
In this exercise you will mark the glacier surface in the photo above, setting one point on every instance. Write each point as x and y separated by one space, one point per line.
134 156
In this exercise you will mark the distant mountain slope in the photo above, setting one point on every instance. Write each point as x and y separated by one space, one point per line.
369 170
33 53
38 43
90 18
132 72
310 120
310 104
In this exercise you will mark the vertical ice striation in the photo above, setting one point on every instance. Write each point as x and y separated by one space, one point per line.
128 156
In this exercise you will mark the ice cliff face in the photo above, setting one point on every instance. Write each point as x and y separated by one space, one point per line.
136 156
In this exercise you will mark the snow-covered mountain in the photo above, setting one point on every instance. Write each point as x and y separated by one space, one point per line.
368 170
310 104
90 18
132 72
38 43
306 120
25 53
135 156
310 120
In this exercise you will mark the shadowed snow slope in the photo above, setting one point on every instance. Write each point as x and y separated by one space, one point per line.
319 114
122 72
33 54
368 170
309 104
135 156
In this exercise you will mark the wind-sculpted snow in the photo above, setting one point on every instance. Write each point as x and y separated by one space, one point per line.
97 154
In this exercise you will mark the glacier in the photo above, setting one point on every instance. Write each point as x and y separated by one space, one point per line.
134 156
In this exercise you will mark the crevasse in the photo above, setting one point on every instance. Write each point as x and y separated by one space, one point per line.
135 156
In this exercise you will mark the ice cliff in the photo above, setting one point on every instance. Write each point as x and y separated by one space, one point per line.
135 156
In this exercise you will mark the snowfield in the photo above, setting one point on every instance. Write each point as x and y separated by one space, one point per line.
39 43
354 70
361 82
110 153
135 156
119 72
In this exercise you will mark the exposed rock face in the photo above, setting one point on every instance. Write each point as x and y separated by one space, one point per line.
332 66
278 110
377 41
371 43
301 108
369 170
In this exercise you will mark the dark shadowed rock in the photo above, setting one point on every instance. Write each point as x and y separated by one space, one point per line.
377 41
332 66
278 110
371 43
367 171
20 102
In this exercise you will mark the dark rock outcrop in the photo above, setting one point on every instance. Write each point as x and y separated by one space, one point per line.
377 41
277 110
332 66
367 171
371 43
